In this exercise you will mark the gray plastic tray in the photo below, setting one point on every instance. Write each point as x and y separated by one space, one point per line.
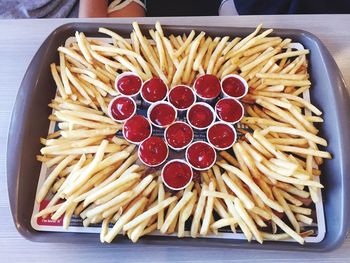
29 122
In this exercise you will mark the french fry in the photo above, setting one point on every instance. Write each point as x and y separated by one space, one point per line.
161 194
286 179
201 53
191 57
209 52
245 216
307 151
88 133
64 77
216 54
185 44
169 219
236 189
99 84
198 213
51 178
293 98
287 229
123 219
223 222
258 146
58 81
74 55
287 210
208 211
252 186
110 187
154 210
151 58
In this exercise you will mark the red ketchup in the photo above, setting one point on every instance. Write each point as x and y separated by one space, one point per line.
162 114
177 174
207 86
128 84
181 97
154 90
200 115
178 135
221 135
121 108
234 86
153 151
136 129
229 110
200 155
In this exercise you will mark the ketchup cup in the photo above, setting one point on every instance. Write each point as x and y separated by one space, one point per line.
121 108
221 135
200 155
229 110
181 97
176 174
207 87
234 86
200 115
178 135
162 114
128 84
153 151
154 90
136 129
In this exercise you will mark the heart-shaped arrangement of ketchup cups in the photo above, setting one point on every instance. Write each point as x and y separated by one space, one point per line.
211 106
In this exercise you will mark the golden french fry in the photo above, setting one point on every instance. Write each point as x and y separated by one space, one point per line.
248 181
154 210
198 213
201 52
191 57
279 197
58 81
185 44
66 85
245 216
51 178
216 54
223 222
208 211
287 229
123 219
236 189
74 55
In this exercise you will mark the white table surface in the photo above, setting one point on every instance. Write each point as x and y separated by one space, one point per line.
19 40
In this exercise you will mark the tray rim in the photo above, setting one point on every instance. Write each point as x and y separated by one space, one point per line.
13 186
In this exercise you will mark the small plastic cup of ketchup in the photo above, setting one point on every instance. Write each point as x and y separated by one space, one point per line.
121 108
178 135
177 174
128 84
200 115
154 90
234 86
162 114
221 135
207 87
200 155
153 151
181 97
229 110
137 129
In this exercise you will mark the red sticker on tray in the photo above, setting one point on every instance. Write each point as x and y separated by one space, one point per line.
48 221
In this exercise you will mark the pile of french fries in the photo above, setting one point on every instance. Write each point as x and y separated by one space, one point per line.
263 187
